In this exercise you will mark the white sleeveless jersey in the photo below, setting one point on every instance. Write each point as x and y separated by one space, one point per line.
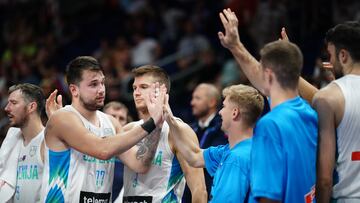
165 180
29 171
347 175
71 176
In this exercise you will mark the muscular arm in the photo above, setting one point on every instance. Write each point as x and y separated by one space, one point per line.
139 157
185 141
78 137
194 176
325 163
306 90
231 40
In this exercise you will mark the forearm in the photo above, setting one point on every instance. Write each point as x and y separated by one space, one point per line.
306 90
190 150
121 142
147 147
323 191
199 194
249 65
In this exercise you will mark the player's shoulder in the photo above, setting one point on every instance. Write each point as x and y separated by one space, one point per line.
331 94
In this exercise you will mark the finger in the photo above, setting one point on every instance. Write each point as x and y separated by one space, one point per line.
223 20
59 100
52 95
327 65
284 35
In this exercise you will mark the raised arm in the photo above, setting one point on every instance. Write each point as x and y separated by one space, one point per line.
231 41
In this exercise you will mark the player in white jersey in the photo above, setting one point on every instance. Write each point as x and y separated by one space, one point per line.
164 182
81 141
25 104
338 158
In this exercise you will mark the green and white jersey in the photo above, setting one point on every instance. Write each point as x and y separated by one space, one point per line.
71 176
29 171
164 182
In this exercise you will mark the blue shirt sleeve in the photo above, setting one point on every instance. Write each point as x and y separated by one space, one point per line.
212 158
267 161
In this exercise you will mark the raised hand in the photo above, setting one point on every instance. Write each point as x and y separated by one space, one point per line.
230 22
155 102
53 103
168 115
283 35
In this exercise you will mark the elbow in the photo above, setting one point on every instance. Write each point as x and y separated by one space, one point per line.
104 156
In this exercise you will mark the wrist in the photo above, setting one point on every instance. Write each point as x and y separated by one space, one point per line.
149 125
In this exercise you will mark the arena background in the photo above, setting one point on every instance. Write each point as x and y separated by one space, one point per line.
39 37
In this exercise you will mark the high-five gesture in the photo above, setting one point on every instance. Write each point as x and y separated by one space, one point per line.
155 102
230 22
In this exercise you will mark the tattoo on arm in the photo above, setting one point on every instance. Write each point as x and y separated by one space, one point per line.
147 147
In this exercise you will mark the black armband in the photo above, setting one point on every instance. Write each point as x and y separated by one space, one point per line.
149 125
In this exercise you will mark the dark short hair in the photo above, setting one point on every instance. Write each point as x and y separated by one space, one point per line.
285 60
158 73
346 36
31 93
76 67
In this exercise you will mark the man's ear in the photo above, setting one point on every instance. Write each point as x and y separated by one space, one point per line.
32 106
236 114
343 56
74 90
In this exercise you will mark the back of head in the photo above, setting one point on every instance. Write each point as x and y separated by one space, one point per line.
76 67
156 72
285 60
248 100
31 93
346 36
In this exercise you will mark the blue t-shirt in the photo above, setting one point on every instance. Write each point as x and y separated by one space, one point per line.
283 158
230 169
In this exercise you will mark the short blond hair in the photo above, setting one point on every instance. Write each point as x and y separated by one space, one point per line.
247 99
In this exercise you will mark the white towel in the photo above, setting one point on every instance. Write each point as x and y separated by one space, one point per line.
9 153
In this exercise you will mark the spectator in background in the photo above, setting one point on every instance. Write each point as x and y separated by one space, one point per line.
121 113
205 101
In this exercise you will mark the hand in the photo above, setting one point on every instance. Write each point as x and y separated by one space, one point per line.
284 35
53 105
168 115
155 102
231 38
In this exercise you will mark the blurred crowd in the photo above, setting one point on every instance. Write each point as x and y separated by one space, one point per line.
39 37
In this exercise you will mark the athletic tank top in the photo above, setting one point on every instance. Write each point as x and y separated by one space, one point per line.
71 176
29 171
347 174
165 180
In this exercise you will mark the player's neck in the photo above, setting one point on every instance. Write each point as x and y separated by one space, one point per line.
239 134
353 70
31 129
279 95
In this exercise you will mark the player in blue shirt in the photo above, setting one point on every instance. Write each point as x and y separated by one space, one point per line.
284 145
229 164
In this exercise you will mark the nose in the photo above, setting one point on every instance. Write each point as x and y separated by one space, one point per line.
7 108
